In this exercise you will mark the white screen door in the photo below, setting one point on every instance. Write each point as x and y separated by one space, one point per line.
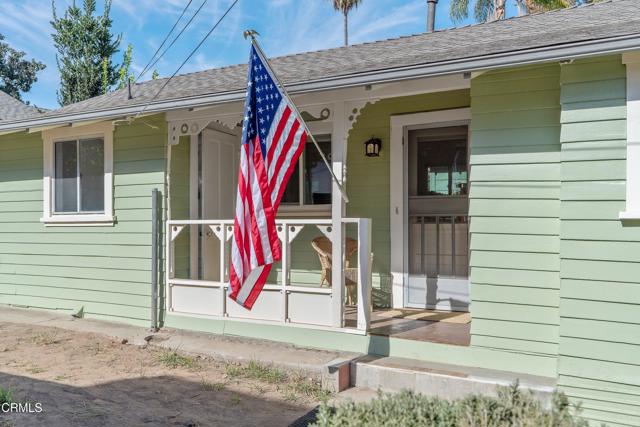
438 248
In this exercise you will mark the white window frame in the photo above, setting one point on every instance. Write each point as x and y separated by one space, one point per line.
301 209
102 130
632 211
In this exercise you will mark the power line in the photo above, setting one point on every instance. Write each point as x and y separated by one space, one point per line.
178 35
146 67
189 56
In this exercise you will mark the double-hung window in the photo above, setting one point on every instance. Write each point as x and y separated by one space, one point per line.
78 175
310 183
78 184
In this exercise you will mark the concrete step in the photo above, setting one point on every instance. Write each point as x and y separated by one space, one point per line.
434 379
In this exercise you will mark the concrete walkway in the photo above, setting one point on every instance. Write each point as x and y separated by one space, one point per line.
331 366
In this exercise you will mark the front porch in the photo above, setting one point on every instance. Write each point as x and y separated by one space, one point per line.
301 292
436 326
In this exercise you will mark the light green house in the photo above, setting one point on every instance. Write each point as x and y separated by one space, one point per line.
506 194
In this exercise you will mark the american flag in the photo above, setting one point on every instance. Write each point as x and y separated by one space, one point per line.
273 137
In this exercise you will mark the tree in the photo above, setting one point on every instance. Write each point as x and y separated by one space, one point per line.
490 10
345 6
16 73
85 48
124 75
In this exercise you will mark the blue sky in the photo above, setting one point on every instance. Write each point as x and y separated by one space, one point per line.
286 26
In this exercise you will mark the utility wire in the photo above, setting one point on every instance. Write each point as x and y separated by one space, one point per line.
188 57
146 67
177 36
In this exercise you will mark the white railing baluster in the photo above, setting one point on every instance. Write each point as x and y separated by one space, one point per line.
364 273
169 273
223 268
285 272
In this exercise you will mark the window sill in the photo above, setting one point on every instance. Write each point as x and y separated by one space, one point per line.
313 211
79 220
629 215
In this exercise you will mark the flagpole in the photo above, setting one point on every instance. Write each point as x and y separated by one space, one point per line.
254 42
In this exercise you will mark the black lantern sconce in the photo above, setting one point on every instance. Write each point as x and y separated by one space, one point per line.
372 147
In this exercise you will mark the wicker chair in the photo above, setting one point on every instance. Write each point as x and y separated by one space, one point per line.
322 246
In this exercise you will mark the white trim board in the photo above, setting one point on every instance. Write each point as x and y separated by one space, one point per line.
632 210
398 186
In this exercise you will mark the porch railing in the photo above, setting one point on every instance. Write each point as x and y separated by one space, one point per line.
282 302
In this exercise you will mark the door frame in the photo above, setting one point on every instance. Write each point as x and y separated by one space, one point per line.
399 196
220 136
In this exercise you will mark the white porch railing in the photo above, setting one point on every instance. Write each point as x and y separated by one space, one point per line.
282 302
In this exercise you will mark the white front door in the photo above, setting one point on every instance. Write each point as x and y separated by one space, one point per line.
215 159
437 208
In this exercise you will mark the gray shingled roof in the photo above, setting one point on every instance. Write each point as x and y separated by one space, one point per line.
12 109
614 18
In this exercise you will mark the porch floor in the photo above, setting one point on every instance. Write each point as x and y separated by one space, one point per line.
444 327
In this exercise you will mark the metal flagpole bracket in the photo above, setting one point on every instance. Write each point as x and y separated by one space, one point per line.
252 34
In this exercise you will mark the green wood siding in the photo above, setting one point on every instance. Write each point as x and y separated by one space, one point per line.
103 269
368 177
599 362
514 207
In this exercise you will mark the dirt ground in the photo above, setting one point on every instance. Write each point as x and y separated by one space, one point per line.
89 380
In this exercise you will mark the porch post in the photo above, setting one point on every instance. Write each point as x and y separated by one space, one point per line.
338 156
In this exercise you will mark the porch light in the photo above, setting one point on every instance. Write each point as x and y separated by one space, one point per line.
372 147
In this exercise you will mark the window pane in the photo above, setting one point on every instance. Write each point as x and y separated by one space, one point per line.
66 179
317 179
438 165
291 195
92 175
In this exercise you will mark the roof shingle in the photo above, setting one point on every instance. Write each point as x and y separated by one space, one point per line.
12 109
597 21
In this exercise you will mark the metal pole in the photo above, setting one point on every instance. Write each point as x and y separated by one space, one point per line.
154 259
431 15
254 42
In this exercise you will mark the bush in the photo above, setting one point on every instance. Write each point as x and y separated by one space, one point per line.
512 407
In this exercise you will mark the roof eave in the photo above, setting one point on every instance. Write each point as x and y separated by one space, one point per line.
577 50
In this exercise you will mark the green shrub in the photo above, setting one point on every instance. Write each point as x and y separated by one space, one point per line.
512 407
6 395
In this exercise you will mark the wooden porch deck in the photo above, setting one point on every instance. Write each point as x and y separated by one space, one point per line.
442 327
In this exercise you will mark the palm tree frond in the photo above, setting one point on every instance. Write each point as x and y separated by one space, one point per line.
345 6
483 10
459 10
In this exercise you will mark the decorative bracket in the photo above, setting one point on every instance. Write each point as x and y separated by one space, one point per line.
326 230
180 128
325 113
294 230
353 109
230 121
175 231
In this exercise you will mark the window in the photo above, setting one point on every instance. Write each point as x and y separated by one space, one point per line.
79 176
313 185
78 166
438 161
